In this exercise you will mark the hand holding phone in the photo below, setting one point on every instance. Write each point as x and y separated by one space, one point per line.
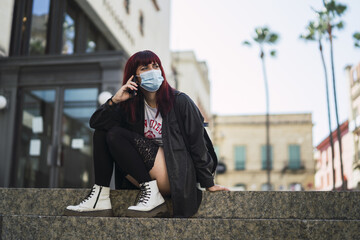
133 93
127 91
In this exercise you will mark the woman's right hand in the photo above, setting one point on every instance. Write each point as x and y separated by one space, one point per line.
122 94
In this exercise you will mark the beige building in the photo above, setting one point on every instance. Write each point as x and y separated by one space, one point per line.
191 77
354 123
240 144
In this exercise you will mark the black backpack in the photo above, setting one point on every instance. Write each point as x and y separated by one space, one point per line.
209 145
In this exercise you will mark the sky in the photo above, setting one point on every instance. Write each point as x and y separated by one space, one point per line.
215 30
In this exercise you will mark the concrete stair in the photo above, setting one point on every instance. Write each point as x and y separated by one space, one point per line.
38 214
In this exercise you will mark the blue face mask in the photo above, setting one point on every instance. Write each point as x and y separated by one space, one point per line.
151 80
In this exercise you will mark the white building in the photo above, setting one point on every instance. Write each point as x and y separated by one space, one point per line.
133 25
129 25
191 77
57 56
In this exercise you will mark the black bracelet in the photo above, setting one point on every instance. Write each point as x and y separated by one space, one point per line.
112 100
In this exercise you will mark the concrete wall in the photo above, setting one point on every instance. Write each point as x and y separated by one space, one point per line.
6 13
249 131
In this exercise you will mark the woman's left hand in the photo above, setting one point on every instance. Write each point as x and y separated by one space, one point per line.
216 188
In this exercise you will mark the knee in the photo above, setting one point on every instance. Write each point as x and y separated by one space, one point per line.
99 135
114 135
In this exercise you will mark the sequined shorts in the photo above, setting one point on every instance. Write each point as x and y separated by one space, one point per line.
147 149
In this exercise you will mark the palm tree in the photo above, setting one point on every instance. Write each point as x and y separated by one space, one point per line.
315 32
262 37
356 37
332 13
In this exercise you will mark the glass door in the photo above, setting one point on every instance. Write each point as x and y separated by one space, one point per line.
54 140
35 135
76 168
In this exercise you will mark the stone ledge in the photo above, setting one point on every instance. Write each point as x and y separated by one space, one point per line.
50 227
226 205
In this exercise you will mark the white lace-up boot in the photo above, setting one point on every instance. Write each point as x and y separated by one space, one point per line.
97 204
150 203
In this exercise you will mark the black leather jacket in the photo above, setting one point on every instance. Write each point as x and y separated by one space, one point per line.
185 168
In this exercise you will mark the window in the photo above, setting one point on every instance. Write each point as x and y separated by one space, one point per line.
39 25
263 157
266 187
354 75
69 33
127 6
240 187
294 157
141 23
53 27
295 187
240 157
91 41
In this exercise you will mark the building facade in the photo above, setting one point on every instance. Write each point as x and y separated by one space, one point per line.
240 142
191 76
57 57
354 120
328 178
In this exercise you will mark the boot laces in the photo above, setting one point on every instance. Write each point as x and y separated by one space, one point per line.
144 193
91 193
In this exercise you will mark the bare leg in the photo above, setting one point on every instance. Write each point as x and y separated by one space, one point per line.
159 172
132 180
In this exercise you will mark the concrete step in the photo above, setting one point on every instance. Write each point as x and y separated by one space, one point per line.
223 205
60 227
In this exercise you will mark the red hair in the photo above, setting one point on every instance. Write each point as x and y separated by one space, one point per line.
165 94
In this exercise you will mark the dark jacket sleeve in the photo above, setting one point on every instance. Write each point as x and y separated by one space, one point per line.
194 130
106 117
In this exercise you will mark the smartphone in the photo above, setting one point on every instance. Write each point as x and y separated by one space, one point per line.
133 92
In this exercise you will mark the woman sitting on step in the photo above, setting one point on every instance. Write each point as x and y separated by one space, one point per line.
138 130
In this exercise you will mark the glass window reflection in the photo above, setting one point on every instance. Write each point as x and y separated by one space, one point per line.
45 95
68 34
39 23
91 41
80 103
77 169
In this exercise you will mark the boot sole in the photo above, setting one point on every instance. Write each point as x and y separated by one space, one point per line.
98 213
159 211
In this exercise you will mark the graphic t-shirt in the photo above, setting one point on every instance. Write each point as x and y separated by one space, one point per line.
153 125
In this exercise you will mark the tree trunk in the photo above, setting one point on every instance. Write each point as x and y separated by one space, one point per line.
329 113
336 107
268 167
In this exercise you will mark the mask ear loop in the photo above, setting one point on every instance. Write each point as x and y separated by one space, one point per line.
137 79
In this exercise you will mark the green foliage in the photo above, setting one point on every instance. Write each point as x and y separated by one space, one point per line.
340 25
37 47
263 36
315 29
247 43
273 38
335 9
356 37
